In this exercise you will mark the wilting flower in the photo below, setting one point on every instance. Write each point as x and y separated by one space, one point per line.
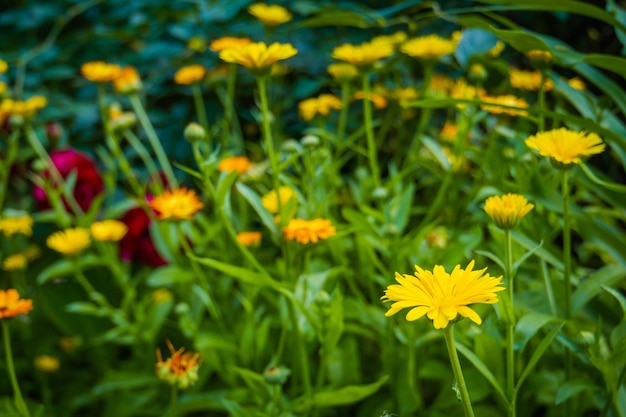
379 101
308 231
342 71
270 14
430 47
128 82
179 370
178 204
15 262
190 74
228 42
505 100
442 296
577 84
69 241
18 224
258 57
137 245
46 363
564 146
100 71
506 211
393 40
528 80
270 200
322 104
108 230
363 55
11 305
249 238
240 164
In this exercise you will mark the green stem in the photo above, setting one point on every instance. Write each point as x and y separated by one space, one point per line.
542 102
510 330
567 263
448 332
369 131
233 131
173 401
153 139
441 193
301 351
5 169
343 115
200 108
17 394
143 153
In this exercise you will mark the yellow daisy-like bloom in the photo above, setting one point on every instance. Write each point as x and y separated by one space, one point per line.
496 50
128 82
240 164
463 91
69 241
179 370
342 71
362 55
100 71
190 74
528 80
270 200
308 231
178 204
540 59
14 225
26 108
3 66
11 305
249 238
449 131
577 84
270 14
228 42
108 230
565 147
405 95
442 296
46 363
393 40
430 47
379 101
258 57
15 262
322 104
506 211
440 85
505 100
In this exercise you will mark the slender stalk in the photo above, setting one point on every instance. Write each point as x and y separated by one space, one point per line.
233 130
448 332
510 330
5 168
173 401
567 263
198 100
542 102
143 153
369 132
343 114
20 405
301 351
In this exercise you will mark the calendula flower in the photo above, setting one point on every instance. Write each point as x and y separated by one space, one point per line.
379 101
430 47
26 108
178 204
3 66
440 85
458 163
565 147
393 40
506 211
100 71
69 241
322 104
258 57
461 90
179 370
505 100
541 60
442 296
528 80
11 305
270 200
228 42
249 238
240 164
308 231
46 363
577 84
449 131
496 50
15 262
128 82
23 225
270 14
342 71
108 230
363 55
190 74
404 95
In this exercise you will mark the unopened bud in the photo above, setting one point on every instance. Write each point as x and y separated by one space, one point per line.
194 132
310 141
276 375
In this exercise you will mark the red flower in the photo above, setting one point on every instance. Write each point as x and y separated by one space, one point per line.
88 180
137 244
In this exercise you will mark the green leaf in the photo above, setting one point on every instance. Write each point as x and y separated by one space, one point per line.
341 18
608 62
255 202
256 383
64 267
490 255
618 296
484 370
525 256
528 326
169 275
242 274
224 185
610 185
123 380
537 354
399 208
83 307
571 388
608 275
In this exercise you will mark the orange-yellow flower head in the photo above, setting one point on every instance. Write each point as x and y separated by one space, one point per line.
258 57
10 226
393 40
540 59
322 105
108 230
46 363
505 100
363 55
100 71
577 84
507 210
442 296
564 146
178 204
430 47
179 370
342 71
379 101
528 80
284 194
270 14
228 42
11 305
26 108
128 82
240 164
190 74
15 262
249 238
308 231
69 241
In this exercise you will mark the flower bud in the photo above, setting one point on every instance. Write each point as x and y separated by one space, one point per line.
194 132
477 74
310 141
276 375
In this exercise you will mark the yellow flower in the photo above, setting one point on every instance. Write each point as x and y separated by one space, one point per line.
564 146
108 230
270 14
405 95
15 262
249 238
440 84
505 100
380 102
577 84
100 71
540 59
3 88
240 164
162 295
46 363
258 57
507 210
270 200
69 241
128 82
26 108
190 74
322 104
14 225
228 42
430 47
179 370
449 131
3 66
11 305
458 163
528 80
308 231
362 55
342 72
442 296
393 40
461 90
181 204
496 50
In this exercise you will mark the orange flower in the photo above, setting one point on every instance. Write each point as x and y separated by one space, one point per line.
307 231
100 71
380 102
240 164
249 238
190 74
178 204
11 305
228 42
128 81
180 370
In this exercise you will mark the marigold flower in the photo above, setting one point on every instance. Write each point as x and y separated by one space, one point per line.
379 101
564 146
10 226
128 82
577 84
461 90
393 39
190 74
178 204
506 211
449 131
108 230
322 104
342 71
440 84
26 108
429 47
270 200
362 55
249 238
15 262
11 305
270 14
442 296
69 241
258 57
308 231
179 370
228 42
528 80
3 66
100 71
46 363
240 164
404 95
505 100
